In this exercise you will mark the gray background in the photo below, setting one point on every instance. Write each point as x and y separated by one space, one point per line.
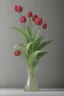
13 73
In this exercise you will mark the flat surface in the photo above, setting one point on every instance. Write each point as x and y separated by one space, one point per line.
42 92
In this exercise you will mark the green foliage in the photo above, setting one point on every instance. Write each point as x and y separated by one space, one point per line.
22 33
28 45
35 56
36 35
42 45
37 42
19 45
28 32
32 49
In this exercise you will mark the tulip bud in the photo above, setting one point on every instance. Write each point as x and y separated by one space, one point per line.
44 26
17 53
19 8
29 14
34 17
23 19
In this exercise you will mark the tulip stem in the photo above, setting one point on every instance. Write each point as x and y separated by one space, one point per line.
30 23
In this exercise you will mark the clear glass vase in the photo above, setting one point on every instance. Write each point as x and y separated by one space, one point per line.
31 84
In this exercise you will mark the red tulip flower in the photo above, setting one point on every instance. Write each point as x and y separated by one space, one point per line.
15 8
34 17
19 8
23 19
44 26
29 14
38 21
17 53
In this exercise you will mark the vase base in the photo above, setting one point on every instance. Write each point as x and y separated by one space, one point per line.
31 90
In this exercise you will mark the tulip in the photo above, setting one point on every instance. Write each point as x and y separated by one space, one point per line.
15 8
29 14
34 17
38 21
23 19
17 53
19 8
44 26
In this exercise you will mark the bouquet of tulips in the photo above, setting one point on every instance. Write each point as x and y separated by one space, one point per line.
33 47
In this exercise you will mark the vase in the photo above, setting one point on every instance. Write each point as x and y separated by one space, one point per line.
31 84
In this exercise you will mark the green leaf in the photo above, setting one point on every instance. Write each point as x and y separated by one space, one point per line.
36 35
35 56
39 56
42 54
37 42
19 45
28 45
42 45
33 45
29 32
22 33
